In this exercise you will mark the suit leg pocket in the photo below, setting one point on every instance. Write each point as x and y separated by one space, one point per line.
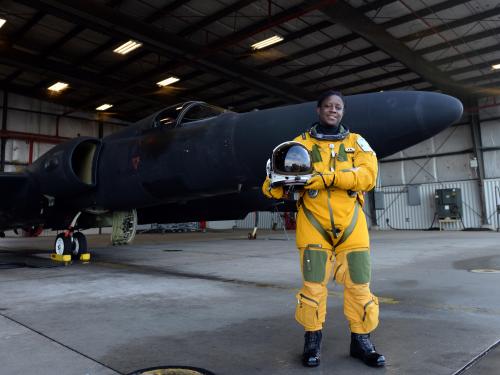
370 316
306 312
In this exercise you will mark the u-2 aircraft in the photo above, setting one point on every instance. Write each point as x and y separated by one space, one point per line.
190 162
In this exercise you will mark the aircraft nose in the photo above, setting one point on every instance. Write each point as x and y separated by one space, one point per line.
438 111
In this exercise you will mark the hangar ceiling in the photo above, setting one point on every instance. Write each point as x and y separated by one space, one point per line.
355 46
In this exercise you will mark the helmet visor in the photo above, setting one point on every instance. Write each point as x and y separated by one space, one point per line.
292 159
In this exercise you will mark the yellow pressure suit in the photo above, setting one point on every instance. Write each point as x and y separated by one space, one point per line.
344 169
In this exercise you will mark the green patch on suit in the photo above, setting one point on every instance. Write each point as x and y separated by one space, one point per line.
314 265
316 154
342 154
359 266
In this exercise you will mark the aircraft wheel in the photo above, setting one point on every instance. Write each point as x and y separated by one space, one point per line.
62 245
79 245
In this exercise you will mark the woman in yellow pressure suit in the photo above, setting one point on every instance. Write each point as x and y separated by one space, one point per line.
332 234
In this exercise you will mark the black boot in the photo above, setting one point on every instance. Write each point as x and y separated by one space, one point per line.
362 348
312 348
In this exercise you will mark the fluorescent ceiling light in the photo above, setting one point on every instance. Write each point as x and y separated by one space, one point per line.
496 66
104 107
127 47
57 87
2 22
267 42
167 81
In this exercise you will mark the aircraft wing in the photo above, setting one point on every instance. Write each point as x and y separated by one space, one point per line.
11 187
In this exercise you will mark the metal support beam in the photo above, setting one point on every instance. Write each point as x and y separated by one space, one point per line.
54 114
342 13
226 11
96 16
309 51
27 26
67 72
32 137
421 52
432 9
5 109
493 12
42 95
478 154
408 158
267 23
160 13
459 41
363 9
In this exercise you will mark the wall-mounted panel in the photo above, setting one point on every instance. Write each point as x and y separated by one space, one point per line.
399 215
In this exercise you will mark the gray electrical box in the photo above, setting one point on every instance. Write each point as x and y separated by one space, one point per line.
379 200
413 193
448 203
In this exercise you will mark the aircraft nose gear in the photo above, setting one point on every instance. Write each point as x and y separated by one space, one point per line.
62 245
70 244
124 227
79 246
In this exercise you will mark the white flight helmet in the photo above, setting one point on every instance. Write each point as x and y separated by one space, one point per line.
290 164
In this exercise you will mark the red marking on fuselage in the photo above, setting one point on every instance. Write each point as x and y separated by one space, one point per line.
135 162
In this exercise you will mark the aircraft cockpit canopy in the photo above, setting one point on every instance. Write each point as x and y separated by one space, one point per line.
183 113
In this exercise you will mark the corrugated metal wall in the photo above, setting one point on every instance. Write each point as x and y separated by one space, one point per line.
37 117
399 215
492 199
267 220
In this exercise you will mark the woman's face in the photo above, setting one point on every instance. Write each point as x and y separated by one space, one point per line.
331 111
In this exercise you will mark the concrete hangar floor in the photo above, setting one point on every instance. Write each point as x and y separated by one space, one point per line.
223 303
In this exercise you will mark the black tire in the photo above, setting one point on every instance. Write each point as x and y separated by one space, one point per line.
79 245
62 244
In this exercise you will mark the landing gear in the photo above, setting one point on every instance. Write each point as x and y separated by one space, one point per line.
62 245
124 227
79 245
70 244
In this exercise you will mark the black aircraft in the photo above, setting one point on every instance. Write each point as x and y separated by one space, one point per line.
191 162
